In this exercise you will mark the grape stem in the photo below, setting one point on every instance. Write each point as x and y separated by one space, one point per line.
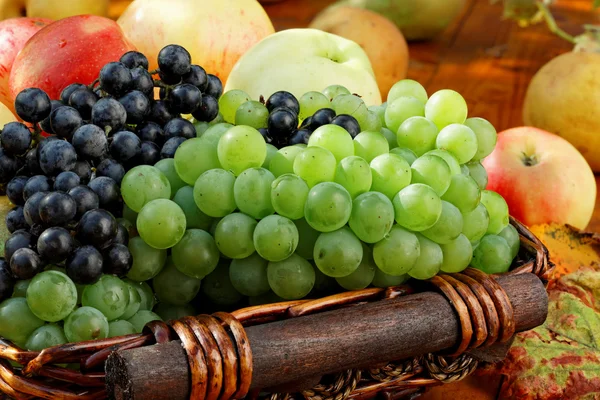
552 25
154 71
91 85
160 84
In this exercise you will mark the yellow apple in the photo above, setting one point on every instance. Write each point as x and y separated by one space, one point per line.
6 115
216 33
563 98
377 35
58 9
304 60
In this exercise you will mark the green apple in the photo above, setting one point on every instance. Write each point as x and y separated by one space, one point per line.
304 60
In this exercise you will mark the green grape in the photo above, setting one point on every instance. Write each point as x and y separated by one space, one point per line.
497 210
391 173
463 193
351 105
370 144
240 148
218 120
218 289
390 137
196 254
46 336
380 112
80 289
292 278
371 123
120 328
417 134
383 280
430 259
432 171
300 145
86 323
135 301
486 136
405 153
129 226
194 157
17 322
249 275
407 87
512 238
332 91
288 196
478 172
267 298
492 255
252 192
459 140
51 296
307 238
338 253
363 275
283 161
169 312
328 207
201 127
333 138
398 252
475 223
230 101
354 174
402 109
464 170
174 287
446 107
167 167
311 102
147 261
141 318
448 227
109 295
457 254
275 238
271 151
213 134
372 217
142 184
315 165
417 207
234 235
455 168
252 113
194 218
20 289
147 299
161 223
213 193
129 214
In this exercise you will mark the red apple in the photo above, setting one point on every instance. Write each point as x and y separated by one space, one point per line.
542 177
14 33
71 50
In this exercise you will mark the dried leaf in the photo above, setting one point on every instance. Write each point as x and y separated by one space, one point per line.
560 359
570 249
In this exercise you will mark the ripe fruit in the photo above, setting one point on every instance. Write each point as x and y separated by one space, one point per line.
84 40
542 177
560 100
271 66
378 36
150 25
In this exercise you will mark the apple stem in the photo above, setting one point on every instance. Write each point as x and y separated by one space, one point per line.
552 25
91 85
530 160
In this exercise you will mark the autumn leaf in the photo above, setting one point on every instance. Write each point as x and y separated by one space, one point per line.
561 358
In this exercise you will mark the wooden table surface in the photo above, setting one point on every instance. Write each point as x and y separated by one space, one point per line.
490 61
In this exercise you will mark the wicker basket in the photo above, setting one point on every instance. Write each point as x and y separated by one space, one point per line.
220 357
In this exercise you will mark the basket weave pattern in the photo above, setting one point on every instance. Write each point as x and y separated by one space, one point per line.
220 357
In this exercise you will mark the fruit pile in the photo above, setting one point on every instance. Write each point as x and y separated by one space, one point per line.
201 200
